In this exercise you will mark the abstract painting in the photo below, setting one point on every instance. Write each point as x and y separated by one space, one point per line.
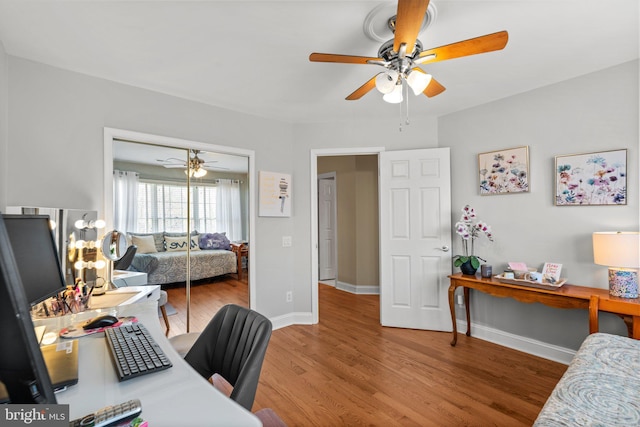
504 171
591 179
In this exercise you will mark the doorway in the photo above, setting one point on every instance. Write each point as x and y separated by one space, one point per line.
327 229
315 156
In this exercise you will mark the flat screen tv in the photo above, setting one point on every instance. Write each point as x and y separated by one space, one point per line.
22 368
36 254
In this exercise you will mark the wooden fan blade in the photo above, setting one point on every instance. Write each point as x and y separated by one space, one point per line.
363 90
434 88
343 59
409 18
482 44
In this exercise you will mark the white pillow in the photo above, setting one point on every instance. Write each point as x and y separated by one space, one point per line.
174 244
145 244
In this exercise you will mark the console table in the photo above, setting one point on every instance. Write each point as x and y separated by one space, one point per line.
567 296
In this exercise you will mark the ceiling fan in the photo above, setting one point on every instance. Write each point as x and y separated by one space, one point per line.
402 55
196 167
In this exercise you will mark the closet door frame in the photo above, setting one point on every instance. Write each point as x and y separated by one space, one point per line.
112 134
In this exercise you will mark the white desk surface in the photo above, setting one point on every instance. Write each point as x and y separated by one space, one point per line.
178 396
125 295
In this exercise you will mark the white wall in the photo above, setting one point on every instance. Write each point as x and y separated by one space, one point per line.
57 119
581 115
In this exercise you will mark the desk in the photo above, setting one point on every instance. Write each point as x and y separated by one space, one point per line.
125 295
178 396
567 296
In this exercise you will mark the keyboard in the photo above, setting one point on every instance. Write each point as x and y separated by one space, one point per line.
134 351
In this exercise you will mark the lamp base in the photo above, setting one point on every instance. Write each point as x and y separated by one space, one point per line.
623 283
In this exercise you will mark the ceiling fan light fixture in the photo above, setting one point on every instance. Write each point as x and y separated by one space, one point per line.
418 81
200 172
395 96
386 82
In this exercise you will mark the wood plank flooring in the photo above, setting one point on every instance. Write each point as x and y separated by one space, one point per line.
349 371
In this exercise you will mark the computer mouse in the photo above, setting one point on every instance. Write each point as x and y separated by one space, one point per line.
100 322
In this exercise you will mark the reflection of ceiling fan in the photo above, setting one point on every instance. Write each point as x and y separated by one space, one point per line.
197 167
402 55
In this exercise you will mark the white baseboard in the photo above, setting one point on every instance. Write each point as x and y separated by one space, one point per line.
300 318
517 342
356 289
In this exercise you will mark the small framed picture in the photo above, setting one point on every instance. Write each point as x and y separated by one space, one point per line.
274 194
504 171
591 179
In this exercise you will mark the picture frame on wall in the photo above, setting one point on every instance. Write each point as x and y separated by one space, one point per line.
274 194
504 171
591 179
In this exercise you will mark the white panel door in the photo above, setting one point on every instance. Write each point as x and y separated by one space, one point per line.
327 229
415 237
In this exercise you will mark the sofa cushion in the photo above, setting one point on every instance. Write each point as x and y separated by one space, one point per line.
180 243
214 241
145 244
158 239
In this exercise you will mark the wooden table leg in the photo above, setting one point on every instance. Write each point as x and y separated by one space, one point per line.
452 307
466 308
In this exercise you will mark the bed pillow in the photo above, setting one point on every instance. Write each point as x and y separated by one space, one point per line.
158 239
214 241
174 244
145 244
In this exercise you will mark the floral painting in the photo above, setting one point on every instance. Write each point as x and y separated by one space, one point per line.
504 171
592 179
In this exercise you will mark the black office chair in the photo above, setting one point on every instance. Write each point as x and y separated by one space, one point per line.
233 345
124 262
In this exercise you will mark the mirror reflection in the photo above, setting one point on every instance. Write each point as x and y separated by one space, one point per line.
185 210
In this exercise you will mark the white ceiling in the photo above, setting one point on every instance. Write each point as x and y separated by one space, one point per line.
252 56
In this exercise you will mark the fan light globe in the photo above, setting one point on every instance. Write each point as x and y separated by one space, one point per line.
395 96
418 81
386 82
199 173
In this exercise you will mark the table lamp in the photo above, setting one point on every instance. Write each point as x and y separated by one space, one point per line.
619 250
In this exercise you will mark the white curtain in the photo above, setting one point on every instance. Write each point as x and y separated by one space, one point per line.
125 197
228 216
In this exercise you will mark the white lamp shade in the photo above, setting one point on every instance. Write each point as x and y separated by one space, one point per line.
386 82
418 81
617 249
395 96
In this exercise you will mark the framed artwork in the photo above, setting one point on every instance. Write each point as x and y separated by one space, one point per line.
591 179
274 194
504 171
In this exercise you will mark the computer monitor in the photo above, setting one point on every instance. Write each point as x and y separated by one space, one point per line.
22 368
36 254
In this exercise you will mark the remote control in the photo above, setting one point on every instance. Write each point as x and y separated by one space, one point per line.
110 415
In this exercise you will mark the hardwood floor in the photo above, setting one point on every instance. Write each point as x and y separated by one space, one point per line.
349 371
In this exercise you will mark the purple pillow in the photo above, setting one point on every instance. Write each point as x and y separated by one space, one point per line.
214 241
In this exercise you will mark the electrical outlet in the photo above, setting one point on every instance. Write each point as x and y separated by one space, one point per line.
460 300
289 296
286 241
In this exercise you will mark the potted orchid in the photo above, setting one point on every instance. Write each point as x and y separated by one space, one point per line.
469 228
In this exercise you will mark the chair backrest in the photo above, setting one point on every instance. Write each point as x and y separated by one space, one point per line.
124 262
233 345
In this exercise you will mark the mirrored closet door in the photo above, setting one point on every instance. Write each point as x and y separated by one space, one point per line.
186 211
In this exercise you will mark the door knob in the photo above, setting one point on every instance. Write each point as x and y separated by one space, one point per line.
444 249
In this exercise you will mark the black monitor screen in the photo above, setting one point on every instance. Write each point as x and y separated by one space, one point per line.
22 368
36 254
